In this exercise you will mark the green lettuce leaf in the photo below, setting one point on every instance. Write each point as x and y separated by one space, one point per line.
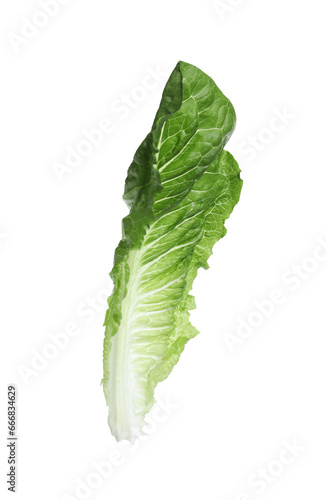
180 188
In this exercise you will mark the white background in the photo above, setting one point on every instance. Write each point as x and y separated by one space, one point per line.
232 409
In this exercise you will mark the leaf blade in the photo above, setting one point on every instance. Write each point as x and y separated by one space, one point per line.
174 189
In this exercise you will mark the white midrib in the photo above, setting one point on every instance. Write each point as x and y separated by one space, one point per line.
122 418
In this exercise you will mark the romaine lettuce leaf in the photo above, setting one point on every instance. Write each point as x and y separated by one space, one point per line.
180 188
